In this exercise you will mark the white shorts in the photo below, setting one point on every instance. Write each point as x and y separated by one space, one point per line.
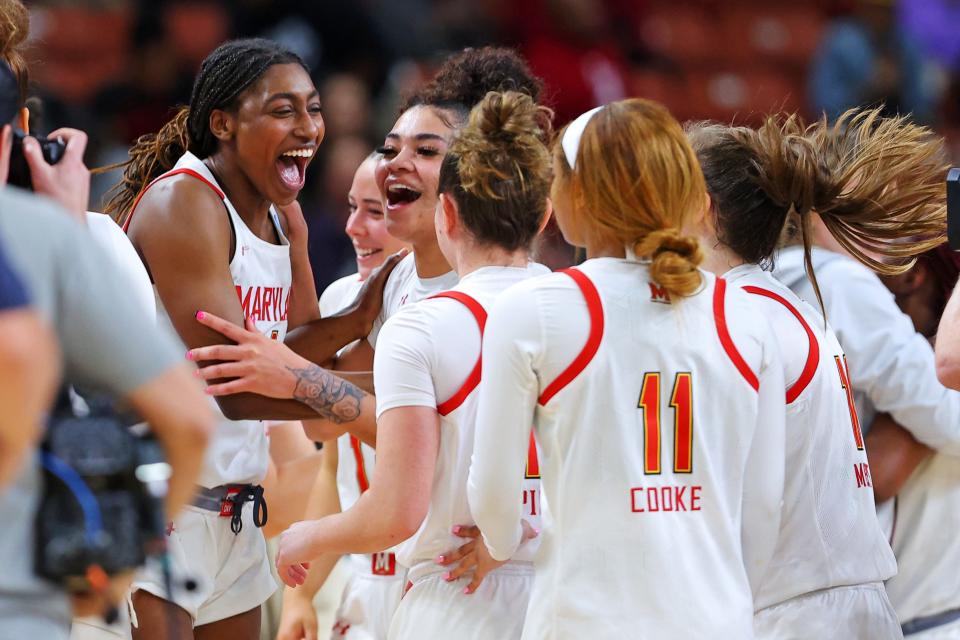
859 612
231 571
94 627
368 605
434 609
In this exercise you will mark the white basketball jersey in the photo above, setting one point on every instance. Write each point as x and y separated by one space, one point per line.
924 536
239 451
440 339
339 294
829 533
661 430
404 286
355 459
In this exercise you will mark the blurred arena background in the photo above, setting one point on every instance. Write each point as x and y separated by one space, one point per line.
116 68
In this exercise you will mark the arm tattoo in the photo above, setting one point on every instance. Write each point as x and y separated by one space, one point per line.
331 397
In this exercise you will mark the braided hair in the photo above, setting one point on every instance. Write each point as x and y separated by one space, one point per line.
223 77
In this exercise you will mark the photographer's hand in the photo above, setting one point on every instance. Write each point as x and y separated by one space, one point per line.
68 181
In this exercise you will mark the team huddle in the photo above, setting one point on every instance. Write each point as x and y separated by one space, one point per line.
661 442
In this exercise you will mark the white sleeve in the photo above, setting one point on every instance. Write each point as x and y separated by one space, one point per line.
402 365
394 286
764 474
114 242
327 300
889 361
508 396
335 296
375 330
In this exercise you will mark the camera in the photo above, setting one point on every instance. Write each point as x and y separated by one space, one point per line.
52 148
98 514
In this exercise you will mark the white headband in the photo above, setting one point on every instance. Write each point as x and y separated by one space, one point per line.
571 137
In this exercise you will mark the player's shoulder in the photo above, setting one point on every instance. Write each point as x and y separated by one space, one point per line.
339 294
413 328
836 265
486 288
405 270
849 288
107 232
738 307
778 299
399 282
539 295
835 272
543 279
179 195
184 216
446 311
345 283
535 269
739 321
102 224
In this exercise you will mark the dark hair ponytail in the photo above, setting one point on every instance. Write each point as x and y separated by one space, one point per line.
223 76
877 184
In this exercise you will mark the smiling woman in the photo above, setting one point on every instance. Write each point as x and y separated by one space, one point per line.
404 179
210 204
278 96
365 226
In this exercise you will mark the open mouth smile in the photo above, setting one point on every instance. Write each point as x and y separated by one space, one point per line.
292 167
399 195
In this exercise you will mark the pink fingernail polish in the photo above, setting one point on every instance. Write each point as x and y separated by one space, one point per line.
439 559
466 590
189 355
456 529
200 315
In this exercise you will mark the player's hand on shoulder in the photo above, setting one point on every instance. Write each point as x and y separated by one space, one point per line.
255 364
472 559
366 306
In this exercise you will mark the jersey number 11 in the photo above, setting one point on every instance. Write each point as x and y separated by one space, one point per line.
681 400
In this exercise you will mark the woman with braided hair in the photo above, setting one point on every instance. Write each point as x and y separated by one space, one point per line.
408 177
875 184
407 174
199 200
